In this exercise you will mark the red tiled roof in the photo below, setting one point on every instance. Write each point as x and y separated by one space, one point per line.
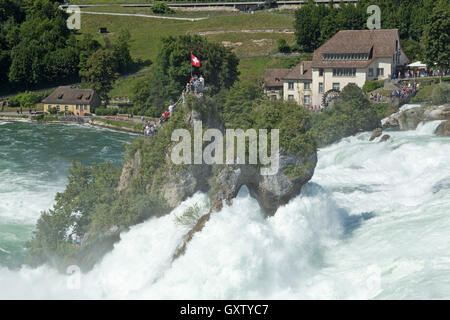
69 95
381 42
295 72
273 77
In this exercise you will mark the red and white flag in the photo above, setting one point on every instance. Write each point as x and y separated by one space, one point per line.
195 61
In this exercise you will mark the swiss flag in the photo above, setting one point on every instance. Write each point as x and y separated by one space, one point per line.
195 61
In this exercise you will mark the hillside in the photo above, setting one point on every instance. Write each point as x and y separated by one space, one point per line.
253 37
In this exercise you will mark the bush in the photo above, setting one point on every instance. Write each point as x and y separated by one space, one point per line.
13 102
369 86
161 8
283 46
352 113
441 94
424 94
190 216
106 111
383 110
52 110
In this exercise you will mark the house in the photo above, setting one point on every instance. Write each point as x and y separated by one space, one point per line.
273 83
350 56
72 100
297 84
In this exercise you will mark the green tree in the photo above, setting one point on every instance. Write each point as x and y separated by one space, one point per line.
172 71
307 27
351 113
283 46
437 37
101 72
239 101
121 50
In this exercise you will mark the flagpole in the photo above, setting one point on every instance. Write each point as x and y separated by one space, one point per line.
191 63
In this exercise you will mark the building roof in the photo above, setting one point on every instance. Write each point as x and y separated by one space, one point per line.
378 43
273 77
69 95
300 71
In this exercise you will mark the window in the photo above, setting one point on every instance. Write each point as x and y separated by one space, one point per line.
320 72
336 86
307 100
290 97
58 109
320 87
344 72
291 85
66 108
370 72
380 72
85 107
307 86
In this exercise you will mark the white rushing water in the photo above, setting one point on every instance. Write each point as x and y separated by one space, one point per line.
374 222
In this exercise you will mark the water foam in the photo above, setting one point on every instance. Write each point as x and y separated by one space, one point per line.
373 223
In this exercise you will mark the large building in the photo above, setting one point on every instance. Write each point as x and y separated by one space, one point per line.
72 100
350 56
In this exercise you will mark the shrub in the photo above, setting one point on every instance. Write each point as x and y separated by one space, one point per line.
283 46
52 110
424 94
161 8
441 94
373 85
383 110
190 216
13 102
352 113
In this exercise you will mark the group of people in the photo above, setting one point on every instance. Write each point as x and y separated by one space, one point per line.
376 97
74 239
420 73
407 90
196 85
151 129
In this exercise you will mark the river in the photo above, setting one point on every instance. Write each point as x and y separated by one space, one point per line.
373 223
34 163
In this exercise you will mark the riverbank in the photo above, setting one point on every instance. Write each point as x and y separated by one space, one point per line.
120 125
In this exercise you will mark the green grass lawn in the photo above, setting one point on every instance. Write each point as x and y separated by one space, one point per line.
123 87
254 49
146 32
247 45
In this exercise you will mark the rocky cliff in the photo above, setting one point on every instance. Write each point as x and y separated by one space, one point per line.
408 119
223 182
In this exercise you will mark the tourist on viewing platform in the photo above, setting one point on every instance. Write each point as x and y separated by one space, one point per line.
171 107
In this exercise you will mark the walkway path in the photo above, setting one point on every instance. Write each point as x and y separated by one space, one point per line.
143 16
204 33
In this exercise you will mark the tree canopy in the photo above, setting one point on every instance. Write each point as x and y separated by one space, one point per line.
316 23
37 48
169 76
437 37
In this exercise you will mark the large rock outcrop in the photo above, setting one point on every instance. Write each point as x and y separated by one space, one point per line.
443 130
410 118
223 181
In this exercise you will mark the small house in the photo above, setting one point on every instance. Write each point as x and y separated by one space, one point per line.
72 100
